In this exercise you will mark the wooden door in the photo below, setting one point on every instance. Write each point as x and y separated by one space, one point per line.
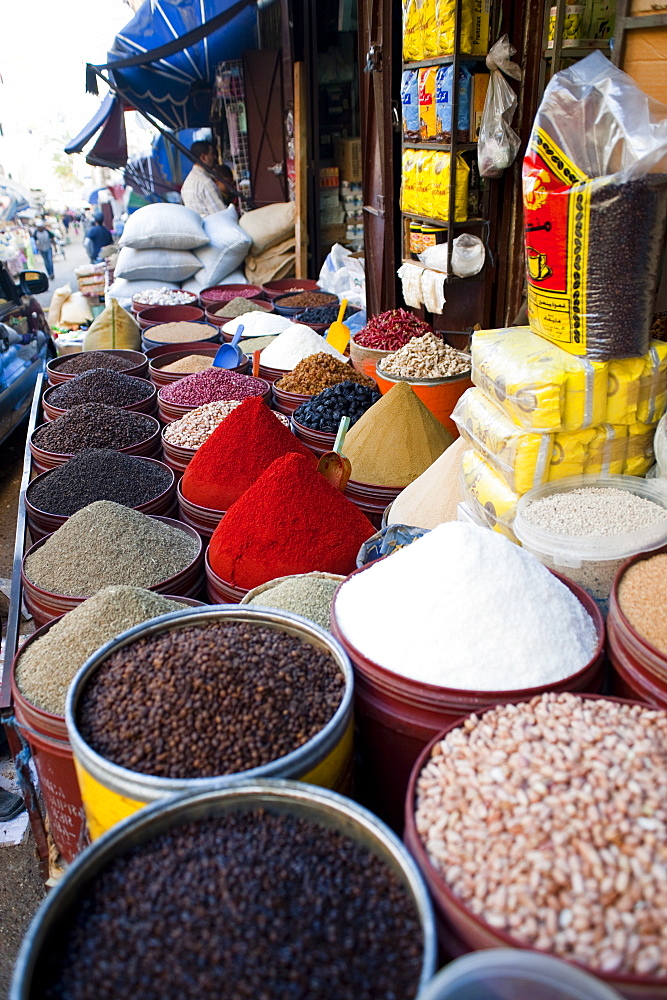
262 71
377 38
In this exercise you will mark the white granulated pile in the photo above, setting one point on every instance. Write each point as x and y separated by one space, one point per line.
594 511
295 344
258 324
463 607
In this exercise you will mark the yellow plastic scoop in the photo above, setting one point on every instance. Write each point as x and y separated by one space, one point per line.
339 334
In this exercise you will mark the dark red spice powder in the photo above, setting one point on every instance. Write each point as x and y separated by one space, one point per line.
290 521
236 454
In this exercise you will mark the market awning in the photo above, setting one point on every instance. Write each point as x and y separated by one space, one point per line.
164 60
110 150
94 125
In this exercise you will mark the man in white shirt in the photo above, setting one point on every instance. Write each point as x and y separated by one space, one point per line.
199 191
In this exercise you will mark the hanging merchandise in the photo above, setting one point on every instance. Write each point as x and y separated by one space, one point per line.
468 255
444 87
595 202
445 21
411 281
498 142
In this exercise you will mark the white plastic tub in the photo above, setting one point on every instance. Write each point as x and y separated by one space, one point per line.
591 560
509 974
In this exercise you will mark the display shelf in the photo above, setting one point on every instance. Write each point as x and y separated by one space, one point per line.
450 278
442 61
474 221
442 146
577 51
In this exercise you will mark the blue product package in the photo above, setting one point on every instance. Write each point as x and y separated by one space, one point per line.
444 85
410 104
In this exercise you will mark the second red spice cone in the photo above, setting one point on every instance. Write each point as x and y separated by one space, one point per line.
236 454
290 521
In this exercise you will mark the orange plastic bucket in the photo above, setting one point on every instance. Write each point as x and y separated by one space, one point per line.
439 395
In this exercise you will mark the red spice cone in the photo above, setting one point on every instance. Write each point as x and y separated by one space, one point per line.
236 454
290 521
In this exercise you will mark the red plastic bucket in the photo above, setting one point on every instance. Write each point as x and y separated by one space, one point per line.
319 442
137 366
282 286
459 929
371 500
44 605
42 523
221 591
174 411
439 395
288 402
225 293
145 405
203 519
397 716
271 374
43 460
176 457
157 315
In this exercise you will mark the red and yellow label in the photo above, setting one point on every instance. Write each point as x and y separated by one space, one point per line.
556 201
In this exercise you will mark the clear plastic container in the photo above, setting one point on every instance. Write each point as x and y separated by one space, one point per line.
509 974
591 560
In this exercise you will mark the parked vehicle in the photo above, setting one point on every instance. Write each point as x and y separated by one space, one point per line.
25 344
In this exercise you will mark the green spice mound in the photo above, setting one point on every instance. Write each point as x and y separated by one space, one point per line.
46 668
308 596
106 544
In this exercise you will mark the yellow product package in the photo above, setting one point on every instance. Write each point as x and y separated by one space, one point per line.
623 385
607 451
481 19
441 182
522 458
445 13
653 384
424 185
412 31
570 453
487 494
640 455
409 181
429 31
537 384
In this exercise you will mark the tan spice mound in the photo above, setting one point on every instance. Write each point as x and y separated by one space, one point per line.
187 366
642 595
395 440
178 333
433 497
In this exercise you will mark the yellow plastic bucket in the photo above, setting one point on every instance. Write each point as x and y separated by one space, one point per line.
111 793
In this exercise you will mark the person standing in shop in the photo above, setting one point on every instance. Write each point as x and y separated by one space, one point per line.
44 241
199 191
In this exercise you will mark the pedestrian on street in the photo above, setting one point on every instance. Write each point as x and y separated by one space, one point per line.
97 236
199 191
44 241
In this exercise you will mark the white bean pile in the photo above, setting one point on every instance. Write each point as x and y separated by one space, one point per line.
548 819
163 297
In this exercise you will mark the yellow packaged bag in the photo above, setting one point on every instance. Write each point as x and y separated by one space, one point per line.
429 32
409 181
424 184
441 182
487 494
570 453
522 458
640 455
114 328
445 13
413 49
607 451
537 384
481 19
623 389
653 384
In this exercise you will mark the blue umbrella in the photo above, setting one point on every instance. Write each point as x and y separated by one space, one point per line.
177 88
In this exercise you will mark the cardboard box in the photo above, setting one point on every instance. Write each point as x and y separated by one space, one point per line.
645 59
348 158
480 86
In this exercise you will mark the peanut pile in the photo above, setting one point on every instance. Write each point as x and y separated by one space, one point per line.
548 820
425 357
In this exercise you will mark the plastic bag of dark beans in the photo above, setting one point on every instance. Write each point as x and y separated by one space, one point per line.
595 201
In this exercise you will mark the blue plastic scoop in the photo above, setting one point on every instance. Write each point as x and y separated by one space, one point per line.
229 355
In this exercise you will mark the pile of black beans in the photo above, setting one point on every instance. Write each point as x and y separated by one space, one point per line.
323 412
99 474
249 906
320 314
